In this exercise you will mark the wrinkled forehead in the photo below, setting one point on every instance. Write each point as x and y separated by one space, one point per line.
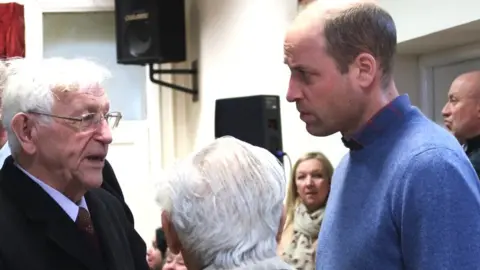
302 45
89 98
460 87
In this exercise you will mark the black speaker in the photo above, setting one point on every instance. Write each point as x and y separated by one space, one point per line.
150 31
253 119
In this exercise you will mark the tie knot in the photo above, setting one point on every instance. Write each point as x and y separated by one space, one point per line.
84 222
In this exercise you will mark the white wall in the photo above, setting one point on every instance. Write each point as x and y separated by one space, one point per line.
416 18
240 47
407 77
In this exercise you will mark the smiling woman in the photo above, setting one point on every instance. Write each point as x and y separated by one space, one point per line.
12 30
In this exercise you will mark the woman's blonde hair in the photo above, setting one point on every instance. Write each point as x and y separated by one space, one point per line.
293 199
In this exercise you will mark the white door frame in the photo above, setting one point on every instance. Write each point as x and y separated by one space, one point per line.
427 62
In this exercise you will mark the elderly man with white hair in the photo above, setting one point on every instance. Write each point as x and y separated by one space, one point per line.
222 207
53 213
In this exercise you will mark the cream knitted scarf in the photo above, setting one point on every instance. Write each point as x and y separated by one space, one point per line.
300 252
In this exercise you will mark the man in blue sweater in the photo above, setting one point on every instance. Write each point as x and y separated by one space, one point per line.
405 196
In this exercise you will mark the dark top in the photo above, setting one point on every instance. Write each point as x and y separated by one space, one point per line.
110 184
473 153
37 234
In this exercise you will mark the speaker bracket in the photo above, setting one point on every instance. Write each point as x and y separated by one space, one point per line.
192 72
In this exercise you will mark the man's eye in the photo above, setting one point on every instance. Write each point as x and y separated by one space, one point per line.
88 117
303 75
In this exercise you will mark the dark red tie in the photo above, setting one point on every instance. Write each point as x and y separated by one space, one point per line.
84 223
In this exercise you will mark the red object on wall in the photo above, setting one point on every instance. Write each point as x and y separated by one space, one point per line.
12 30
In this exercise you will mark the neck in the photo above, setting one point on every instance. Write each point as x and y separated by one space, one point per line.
377 101
56 180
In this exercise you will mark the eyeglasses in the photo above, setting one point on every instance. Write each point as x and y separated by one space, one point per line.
89 120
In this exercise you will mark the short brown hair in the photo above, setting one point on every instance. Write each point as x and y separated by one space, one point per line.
362 28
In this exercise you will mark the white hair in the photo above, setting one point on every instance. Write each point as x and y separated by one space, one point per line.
30 85
225 202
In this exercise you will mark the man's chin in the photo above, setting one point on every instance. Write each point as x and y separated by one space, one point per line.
92 181
318 131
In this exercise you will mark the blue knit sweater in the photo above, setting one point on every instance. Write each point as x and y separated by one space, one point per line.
408 199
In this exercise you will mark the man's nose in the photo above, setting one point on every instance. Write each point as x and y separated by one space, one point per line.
104 133
294 92
446 111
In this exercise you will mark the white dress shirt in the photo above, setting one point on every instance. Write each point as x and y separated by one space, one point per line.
4 153
65 203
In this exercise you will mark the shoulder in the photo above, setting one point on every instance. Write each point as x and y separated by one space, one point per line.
438 178
440 161
422 142
436 209
107 200
441 167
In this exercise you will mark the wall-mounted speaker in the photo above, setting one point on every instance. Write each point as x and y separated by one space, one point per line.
150 31
253 119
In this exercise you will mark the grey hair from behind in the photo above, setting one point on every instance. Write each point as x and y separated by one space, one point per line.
30 85
225 202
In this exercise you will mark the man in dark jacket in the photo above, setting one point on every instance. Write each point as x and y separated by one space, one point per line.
54 202
462 114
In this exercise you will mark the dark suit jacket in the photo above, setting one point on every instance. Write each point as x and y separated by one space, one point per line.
37 234
110 184
473 153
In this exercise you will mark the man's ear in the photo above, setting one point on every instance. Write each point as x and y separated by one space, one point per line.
366 68
282 224
22 126
171 235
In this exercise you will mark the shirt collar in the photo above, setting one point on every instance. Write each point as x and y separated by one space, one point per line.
389 116
65 203
4 153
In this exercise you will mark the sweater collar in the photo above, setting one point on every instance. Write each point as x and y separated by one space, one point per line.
388 117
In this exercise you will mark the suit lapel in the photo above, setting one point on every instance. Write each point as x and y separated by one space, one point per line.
45 213
112 240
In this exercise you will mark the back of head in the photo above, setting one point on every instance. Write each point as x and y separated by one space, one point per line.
225 203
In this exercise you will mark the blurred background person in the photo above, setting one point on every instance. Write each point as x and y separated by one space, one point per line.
461 114
223 206
157 251
305 205
174 262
